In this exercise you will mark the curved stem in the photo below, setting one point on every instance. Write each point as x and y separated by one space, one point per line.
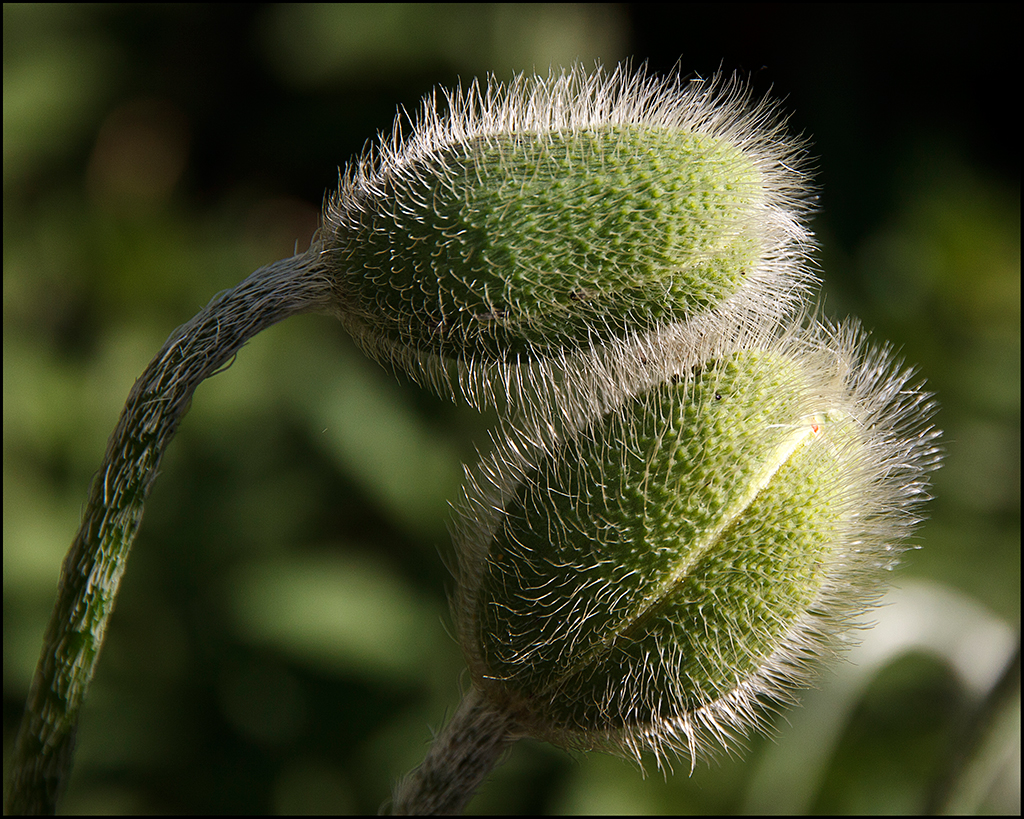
92 570
460 758
985 748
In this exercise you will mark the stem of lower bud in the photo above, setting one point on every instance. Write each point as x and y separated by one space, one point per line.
460 758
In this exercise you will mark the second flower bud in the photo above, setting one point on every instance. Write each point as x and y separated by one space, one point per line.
648 581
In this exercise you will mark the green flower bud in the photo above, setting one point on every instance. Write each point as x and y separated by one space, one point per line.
648 582
547 217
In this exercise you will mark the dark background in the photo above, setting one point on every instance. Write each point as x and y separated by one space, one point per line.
280 640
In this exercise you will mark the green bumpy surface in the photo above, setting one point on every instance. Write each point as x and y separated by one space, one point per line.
549 241
662 557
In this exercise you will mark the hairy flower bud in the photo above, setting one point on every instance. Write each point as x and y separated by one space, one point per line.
647 582
546 217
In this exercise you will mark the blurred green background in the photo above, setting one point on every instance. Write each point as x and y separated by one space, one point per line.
281 641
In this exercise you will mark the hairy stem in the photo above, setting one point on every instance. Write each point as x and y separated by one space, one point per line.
459 760
92 570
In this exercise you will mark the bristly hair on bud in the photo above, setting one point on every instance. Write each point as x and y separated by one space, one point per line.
662 577
547 230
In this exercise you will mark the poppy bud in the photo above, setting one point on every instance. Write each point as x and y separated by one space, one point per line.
547 217
653 581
